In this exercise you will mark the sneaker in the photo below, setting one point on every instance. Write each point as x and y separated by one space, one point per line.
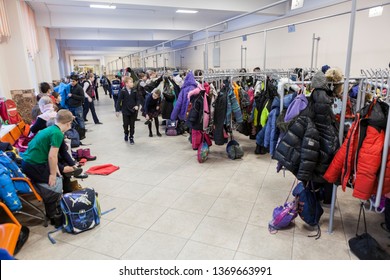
132 141
126 137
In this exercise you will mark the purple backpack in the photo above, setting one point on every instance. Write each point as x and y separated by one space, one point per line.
284 214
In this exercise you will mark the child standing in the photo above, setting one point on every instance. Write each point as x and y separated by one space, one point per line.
152 110
128 102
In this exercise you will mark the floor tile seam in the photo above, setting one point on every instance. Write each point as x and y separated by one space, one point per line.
91 250
196 228
204 243
253 206
343 227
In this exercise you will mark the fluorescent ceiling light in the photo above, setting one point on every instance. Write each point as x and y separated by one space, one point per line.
296 4
186 11
102 6
375 12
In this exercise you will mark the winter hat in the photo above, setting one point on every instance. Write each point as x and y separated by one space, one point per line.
325 68
319 81
334 75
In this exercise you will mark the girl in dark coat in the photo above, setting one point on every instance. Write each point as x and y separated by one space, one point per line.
152 110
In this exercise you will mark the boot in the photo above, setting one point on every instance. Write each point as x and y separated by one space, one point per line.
258 150
87 155
79 154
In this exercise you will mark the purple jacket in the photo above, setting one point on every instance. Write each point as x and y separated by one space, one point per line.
182 103
297 105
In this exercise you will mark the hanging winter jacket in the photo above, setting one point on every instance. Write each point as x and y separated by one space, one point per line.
268 136
328 129
219 117
232 106
298 150
365 140
180 110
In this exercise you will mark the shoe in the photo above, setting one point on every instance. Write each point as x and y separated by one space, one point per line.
137 120
148 122
159 134
126 137
258 150
82 176
56 220
131 141
150 134
85 120
87 155
99 123
75 172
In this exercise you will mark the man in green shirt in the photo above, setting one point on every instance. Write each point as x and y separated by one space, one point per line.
40 161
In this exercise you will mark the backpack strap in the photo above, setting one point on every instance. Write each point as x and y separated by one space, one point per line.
318 234
53 241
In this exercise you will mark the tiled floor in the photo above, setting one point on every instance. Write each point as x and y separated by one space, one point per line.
168 206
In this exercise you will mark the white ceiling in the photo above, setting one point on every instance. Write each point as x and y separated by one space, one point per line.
132 26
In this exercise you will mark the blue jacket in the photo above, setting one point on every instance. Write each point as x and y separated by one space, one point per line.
182 103
268 136
233 106
63 90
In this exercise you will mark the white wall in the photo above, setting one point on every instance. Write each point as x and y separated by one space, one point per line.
290 50
42 59
14 66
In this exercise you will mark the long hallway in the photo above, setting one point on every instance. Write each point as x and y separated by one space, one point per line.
168 206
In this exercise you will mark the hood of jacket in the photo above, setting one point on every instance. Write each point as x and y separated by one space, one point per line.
189 82
319 81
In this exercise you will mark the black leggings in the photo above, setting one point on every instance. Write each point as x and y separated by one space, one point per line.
156 123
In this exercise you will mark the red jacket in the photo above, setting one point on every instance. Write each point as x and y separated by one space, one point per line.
362 173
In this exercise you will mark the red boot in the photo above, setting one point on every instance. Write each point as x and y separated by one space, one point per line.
87 155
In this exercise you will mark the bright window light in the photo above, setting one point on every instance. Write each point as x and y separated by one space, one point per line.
375 12
102 6
296 4
186 11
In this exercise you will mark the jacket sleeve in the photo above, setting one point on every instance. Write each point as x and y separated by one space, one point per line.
369 162
147 101
178 106
151 86
118 106
335 169
310 148
236 109
274 133
38 125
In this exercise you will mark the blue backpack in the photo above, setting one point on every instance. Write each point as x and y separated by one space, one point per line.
81 210
115 87
309 208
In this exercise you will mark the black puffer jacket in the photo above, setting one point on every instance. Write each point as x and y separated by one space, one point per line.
298 150
325 122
